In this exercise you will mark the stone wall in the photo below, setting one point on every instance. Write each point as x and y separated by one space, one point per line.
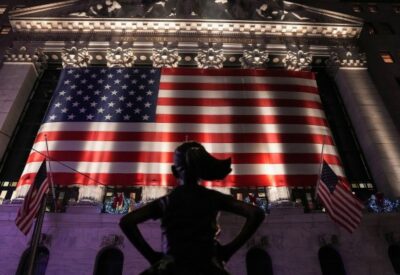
291 238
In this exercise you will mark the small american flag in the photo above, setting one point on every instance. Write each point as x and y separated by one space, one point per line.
342 206
120 126
33 200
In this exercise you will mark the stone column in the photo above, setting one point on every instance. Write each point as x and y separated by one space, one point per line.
17 75
375 130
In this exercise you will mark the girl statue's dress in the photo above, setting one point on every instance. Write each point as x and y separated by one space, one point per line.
189 218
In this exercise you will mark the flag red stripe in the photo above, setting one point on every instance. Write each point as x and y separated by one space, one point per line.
179 137
238 87
168 180
237 158
30 207
355 202
332 205
238 119
342 213
344 204
236 72
254 102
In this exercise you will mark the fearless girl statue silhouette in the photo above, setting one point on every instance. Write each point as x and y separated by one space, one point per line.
189 218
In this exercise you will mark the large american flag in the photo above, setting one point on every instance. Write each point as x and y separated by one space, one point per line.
342 206
33 200
120 126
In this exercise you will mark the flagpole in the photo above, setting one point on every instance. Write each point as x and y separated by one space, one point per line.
320 168
51 174
36 235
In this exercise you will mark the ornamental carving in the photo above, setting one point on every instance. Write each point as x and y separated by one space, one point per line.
75 57
205 9
36 56
254 58
347 58
120 57
210 58
165 58
297 60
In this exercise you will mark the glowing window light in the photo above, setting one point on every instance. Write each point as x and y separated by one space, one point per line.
387 57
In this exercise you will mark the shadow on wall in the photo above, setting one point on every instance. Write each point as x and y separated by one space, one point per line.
258 262
109 261
330 261
40 265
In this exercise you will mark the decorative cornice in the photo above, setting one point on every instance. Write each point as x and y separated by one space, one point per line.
184 27
210 58
120 57
75 57
297 60
165 58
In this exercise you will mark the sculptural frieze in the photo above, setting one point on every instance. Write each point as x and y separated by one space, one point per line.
269 10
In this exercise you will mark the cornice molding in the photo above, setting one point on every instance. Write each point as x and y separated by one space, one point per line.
179 27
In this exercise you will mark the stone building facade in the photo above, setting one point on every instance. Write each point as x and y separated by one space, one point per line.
332 40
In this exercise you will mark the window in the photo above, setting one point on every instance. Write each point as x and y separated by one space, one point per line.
121 200
387 57
373 8
109 261
7 189
357 8
246 193
330 261
258 262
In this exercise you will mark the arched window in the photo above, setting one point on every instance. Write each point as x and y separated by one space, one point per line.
42 258
394 255
109 261
330 261
258 262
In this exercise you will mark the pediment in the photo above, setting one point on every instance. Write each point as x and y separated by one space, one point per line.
270 10
182 15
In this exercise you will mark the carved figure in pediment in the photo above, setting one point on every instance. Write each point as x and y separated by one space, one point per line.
241 9
270 10
107 8
188 9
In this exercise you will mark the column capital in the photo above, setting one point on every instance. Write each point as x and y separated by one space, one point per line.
254 57
297 60
212 57
120 57
74 57
341 57
164 57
